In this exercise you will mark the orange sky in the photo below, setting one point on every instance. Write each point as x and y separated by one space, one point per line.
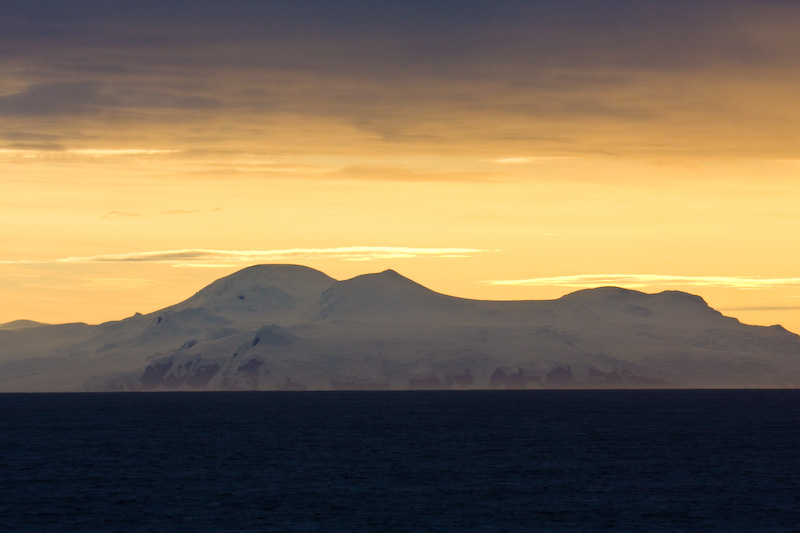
512 151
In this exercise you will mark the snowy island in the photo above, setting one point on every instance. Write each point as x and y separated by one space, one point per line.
289 327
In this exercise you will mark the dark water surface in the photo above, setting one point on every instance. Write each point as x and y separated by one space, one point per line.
401 461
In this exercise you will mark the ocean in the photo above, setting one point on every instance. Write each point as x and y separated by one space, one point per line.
672 460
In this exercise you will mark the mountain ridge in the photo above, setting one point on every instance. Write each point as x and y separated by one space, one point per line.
272 327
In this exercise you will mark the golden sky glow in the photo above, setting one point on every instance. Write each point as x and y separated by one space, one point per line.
512 150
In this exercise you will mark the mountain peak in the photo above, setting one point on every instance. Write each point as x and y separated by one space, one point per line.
673 305
602 294
619 294
261 290
681 296
381 291
292 277
391 276
273 272
387 278
21 324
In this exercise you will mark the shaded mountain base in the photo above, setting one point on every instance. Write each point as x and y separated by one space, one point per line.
561 377
256 373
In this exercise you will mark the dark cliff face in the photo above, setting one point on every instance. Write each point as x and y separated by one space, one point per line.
171 374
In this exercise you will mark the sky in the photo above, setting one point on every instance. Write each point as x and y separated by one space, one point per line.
494 150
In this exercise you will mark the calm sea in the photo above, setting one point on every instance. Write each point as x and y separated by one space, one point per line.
401 461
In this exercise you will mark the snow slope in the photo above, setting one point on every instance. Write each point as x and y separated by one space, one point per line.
291 327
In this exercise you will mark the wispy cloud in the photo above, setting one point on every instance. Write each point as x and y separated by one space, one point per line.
229 258
179 211
117 283
114 214
522 160
54 151
644 280
769 308
53 99
96 152
91 98
171 212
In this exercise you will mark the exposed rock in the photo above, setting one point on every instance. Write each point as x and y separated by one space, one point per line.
560 378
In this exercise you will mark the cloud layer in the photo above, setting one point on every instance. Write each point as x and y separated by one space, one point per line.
644 280
229 258
540 76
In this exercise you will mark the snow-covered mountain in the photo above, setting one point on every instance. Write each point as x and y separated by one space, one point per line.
291 327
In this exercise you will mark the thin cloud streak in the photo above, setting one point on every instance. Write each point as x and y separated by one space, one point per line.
231 258
763 308
118 283
523 160
114 214
643 280
50 153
